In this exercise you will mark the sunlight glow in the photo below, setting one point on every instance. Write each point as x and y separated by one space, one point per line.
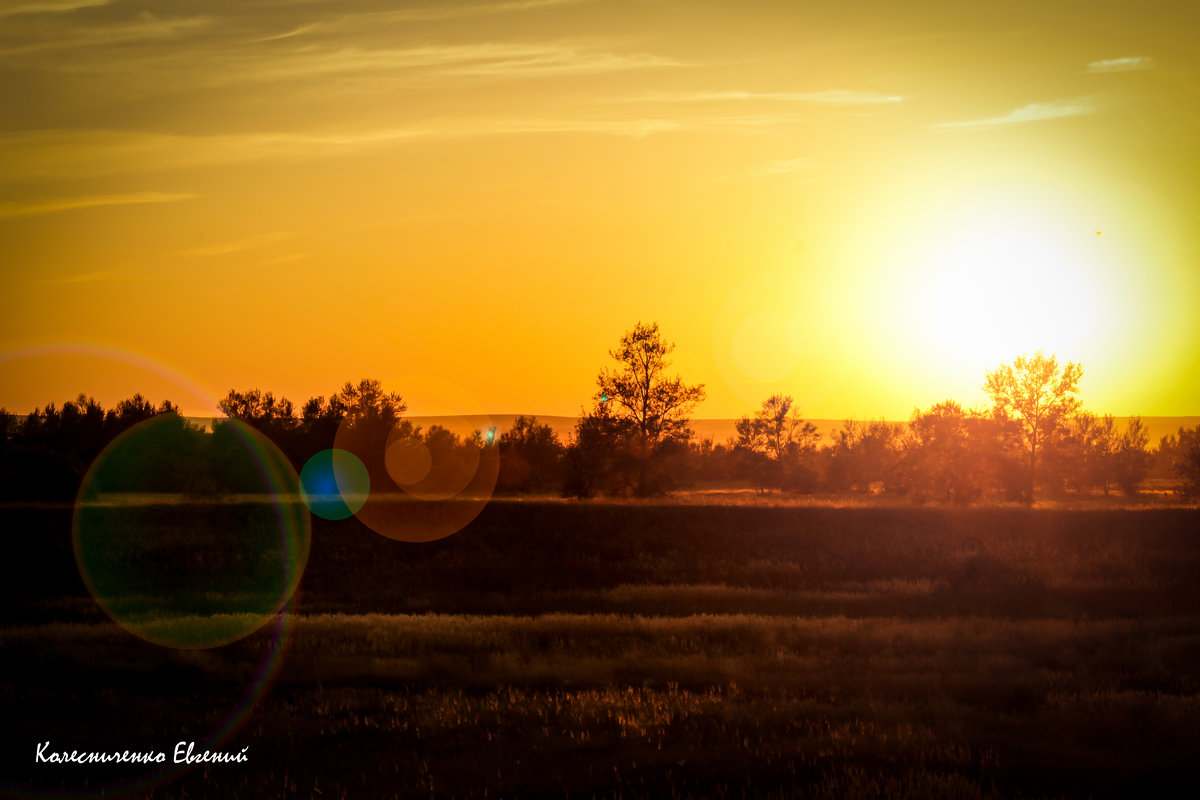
990 282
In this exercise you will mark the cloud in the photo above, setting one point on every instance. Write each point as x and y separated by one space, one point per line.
92 201
51 7
539 60
836 97
143 29
1034 112
447 11
237 245
487 59
67 155
1125 64
88 277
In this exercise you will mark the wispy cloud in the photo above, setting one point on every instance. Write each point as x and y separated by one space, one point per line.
1034 112
65 155
144 29
87 277
51 7
237 245
1125 64
835 97
448 11
484 59
558 60
91 201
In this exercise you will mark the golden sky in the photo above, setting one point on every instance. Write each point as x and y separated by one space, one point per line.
862 205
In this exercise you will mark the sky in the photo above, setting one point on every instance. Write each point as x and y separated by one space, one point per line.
863 205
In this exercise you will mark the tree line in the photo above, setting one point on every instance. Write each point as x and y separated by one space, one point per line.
636 439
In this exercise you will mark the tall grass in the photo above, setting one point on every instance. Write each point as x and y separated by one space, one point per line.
556 650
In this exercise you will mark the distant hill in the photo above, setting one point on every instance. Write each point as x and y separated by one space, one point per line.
720 430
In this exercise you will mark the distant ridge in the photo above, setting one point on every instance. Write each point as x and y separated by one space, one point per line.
720 430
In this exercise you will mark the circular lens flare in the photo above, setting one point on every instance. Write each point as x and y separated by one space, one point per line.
334 484
408 461
189 539
427 480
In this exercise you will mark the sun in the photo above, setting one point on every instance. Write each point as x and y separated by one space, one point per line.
990 282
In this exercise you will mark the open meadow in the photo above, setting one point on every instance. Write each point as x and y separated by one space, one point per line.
597 650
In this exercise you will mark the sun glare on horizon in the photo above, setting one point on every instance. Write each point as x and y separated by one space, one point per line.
995 278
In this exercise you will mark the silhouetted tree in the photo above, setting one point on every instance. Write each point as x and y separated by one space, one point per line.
654 407
319 421
772 444
452 461
48 452
596 460
1084 452
1132 459
1041 395
275 419
1182 452
529 454
372 421
171 456
132 411
865 453
366 403
8 423
713 462
946 457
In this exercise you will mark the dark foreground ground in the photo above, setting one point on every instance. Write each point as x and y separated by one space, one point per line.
583 650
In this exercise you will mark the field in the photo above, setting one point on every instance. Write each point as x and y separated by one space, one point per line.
597 650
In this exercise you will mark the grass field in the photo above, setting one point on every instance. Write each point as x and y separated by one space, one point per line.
593 650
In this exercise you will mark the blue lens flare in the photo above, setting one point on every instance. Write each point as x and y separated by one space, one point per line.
334 484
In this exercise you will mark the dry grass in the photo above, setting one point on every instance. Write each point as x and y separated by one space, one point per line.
602 651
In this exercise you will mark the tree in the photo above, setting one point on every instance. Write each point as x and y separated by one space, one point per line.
1183 455
864 456
655 407
370 422
319 421
1087 452
529 453
1131 459
946 454
275 419
594 460
366 403
8 423
773 441
1041 394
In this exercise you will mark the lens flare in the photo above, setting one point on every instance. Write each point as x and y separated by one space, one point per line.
111 373
259 669
334 484
768 333
173 566
408 461
424 484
